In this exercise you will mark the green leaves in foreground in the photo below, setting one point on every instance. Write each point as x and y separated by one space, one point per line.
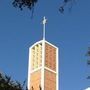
24 3
7 84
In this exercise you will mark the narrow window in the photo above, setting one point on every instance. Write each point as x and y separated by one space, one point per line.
40 87
32 88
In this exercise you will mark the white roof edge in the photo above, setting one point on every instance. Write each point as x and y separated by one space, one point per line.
51 44
36 43
45 42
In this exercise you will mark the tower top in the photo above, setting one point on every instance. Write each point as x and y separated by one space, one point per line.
44 24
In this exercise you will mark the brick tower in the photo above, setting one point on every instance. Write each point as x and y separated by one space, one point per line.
43 65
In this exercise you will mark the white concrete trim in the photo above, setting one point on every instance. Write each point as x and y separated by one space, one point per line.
50 70
43 63
41 42
29 69
51 44
32 71
57 69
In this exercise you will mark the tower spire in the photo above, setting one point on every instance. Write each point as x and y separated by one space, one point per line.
44 24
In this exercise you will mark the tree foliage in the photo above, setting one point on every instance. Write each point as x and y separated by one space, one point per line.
31 3
65 3
88 61
24 3
6 83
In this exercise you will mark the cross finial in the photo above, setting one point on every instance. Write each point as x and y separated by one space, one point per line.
44 23
44 20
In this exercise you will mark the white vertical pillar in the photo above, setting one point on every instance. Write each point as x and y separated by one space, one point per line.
43 64
29 69
57 69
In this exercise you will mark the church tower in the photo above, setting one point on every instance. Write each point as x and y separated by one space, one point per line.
43 65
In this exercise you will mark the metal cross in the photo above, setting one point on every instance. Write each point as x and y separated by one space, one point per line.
44 23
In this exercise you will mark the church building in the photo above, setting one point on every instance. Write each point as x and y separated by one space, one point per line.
43 65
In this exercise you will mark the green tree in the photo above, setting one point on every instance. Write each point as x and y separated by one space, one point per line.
6 83
24 3
31 3
88 61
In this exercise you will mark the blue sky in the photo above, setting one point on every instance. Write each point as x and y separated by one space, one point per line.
69 31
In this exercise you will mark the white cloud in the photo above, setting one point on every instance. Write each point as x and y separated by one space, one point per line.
88 88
